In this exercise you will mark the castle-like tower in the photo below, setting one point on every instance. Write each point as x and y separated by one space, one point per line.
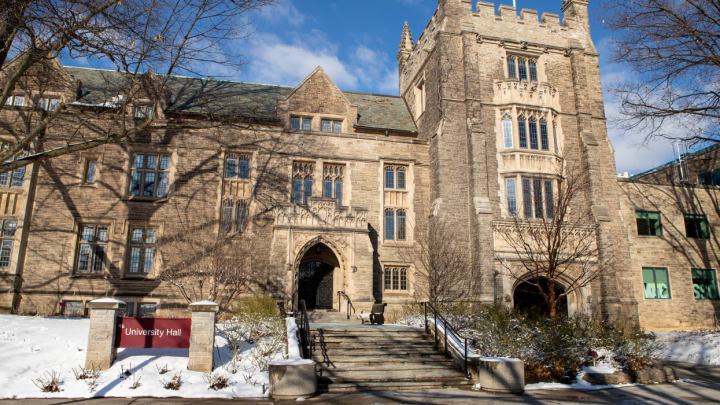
500 98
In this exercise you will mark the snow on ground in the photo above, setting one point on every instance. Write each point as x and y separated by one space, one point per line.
579 385
30 346
699 347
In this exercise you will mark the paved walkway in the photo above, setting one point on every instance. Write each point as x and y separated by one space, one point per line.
705 389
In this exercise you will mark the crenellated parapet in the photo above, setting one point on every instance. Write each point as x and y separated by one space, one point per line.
320 213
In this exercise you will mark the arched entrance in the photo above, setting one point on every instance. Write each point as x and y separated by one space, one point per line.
317 277
527 298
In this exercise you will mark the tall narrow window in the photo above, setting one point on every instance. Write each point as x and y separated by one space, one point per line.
522 133
389 177
142 251
13 178
557 149
389 225
388 279
307 124
656 283
532 124
507 133
337 127
298 190
401 178
511 67
538 200
403 279
231 167
522 70
295 123
511 197
90 175
228 206
338 190
533 70
328 188
241 215
549 199
18 177
401 225
395 279
244 167
92 249
150 175
705 284
544 141
527 198
308 189
8 240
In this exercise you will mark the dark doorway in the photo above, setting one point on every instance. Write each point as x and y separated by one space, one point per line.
529 299
315 284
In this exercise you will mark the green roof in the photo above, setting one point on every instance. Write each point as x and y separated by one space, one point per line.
668 164
222 97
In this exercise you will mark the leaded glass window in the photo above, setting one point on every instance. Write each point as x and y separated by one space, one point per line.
401 225
522 133
14 178
527 198
549 199
237 167
302 182
511 67
332 126
544 141
147 310
92 249
389 224
333 182
401 178
6 245
532 124
388 279
533 70
396 279
511 197
143 243
507 133
522 70
538 198
150 175
90 175
389 177
339 190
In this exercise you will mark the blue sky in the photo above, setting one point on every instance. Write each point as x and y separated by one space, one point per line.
356 42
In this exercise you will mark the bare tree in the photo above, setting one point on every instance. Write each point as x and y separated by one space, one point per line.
672 49
139 37
441 260
559 244
206 260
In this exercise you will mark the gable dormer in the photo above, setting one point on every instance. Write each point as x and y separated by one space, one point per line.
318 105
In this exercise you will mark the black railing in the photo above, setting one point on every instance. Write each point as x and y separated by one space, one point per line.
447 328
307 344
341 294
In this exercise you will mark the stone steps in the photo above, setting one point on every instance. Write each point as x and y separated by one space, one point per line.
357 358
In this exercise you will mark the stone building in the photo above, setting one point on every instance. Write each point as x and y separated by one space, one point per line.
331 186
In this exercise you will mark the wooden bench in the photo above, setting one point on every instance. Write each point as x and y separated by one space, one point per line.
376 316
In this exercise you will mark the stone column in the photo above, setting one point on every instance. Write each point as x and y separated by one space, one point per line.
202 336
101 350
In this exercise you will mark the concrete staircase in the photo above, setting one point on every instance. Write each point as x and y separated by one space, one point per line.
362 357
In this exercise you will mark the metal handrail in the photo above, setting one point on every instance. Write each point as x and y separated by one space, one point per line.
304 328
447 327
341 294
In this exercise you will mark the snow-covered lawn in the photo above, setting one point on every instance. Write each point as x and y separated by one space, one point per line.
32 346
699 347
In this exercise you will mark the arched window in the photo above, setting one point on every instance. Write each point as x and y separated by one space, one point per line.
231 167
507 132
544 141
244 168
532 125
522 132
401 226
338 190
308 189
389 177
227 217
401 178
511 67
389 225
297 190
241 216
533 70
328 187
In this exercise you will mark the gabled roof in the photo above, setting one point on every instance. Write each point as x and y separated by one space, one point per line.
197 95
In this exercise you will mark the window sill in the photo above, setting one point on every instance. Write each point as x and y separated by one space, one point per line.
129 277
391 243
88 275
88 185
651 236
146 199
396 292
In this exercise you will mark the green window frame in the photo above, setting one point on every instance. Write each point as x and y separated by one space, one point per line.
649 223
705 284
656 282
696 226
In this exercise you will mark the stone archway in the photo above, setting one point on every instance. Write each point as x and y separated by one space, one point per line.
526 296
320 269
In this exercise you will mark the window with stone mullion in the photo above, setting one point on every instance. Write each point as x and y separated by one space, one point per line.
143 243
92 249
8 240
150 175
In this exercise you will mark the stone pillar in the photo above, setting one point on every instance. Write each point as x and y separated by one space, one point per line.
202 336
101 350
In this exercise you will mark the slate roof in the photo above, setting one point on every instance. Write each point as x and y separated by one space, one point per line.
197 95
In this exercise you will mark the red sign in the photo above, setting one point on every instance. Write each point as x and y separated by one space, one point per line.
153 333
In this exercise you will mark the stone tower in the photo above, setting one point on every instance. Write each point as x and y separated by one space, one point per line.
472 80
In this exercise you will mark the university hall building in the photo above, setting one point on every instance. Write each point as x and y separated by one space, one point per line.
332 186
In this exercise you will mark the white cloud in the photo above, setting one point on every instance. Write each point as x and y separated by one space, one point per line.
284 12
274 61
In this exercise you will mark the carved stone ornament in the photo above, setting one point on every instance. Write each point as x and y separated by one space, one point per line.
321 212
